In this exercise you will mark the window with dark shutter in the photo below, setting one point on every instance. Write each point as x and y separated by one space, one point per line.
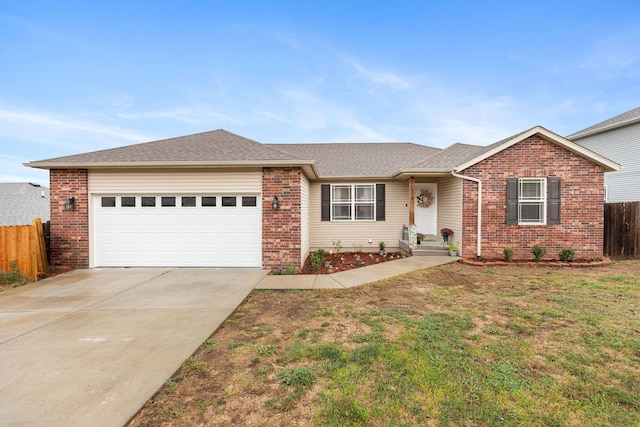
554 200
325 202
380 202
512 200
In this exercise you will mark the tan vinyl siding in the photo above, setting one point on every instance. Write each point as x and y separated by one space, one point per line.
304 217
450 206
174 181
355 233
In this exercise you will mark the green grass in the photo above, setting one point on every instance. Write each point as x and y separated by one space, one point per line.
512 347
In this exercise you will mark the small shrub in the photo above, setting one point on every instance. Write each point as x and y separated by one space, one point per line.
317 258
538 252
337 245
508 254
13 277
567 255
381 246
290 269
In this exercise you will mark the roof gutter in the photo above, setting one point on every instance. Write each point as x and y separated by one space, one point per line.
479 227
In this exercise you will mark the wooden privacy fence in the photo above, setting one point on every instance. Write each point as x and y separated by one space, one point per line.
24 245
621 231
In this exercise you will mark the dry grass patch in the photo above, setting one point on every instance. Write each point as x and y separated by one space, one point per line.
454 345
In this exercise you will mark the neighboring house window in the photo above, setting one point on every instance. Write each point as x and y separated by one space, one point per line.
532 201
353 202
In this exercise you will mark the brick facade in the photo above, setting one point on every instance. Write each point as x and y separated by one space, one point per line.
69 229
281 229
581 203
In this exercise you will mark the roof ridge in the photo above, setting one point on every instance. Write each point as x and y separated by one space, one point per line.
622 119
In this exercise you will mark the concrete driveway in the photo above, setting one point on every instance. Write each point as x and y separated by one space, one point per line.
90 347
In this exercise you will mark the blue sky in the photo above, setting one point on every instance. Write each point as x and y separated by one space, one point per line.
84 76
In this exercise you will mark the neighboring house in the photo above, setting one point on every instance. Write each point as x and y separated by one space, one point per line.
209 199
22 202
618 139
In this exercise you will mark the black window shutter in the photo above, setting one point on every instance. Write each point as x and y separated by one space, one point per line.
553 199
512 200
380 202
325 202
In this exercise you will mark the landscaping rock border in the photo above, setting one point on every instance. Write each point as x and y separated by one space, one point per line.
531 263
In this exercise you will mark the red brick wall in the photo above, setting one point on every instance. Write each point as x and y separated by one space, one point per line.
581 203
281 229
69 229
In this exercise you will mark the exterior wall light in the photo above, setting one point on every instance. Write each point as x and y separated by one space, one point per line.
275 204
70 204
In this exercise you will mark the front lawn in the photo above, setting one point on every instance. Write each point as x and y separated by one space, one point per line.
455 345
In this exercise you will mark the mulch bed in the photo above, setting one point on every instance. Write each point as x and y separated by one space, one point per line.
532 263
343 261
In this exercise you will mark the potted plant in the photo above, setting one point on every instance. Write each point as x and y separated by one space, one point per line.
446 232
453 249
420 237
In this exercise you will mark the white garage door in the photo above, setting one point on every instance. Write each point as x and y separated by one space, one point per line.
177 231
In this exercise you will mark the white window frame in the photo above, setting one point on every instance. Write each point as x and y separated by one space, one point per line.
540 201
353 203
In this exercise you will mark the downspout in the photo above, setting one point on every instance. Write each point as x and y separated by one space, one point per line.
477 181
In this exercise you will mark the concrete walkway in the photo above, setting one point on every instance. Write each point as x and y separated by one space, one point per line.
351 278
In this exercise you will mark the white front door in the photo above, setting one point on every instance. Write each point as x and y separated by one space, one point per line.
426 208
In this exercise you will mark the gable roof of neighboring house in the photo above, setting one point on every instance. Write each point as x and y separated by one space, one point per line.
624 119
330 160
22 202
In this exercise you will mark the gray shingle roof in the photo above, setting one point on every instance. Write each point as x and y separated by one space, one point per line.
22 202
451 156
374 159
623 119
329 160
214 146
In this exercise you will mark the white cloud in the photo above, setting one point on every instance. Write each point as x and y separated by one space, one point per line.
615 56
52 129
377 78
195 115
13 170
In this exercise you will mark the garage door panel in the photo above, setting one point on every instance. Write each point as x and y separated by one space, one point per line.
207 236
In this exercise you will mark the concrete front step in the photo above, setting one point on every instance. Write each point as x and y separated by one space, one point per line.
426 248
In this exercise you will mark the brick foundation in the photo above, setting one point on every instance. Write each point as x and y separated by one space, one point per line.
281 229
69 229
582 203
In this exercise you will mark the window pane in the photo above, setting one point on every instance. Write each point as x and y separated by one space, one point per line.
341 193
531 212
208 201
108 202
364 193
168 202
364 212
531 189
128 202
249 201
188 201
229 201
148 201
341 211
